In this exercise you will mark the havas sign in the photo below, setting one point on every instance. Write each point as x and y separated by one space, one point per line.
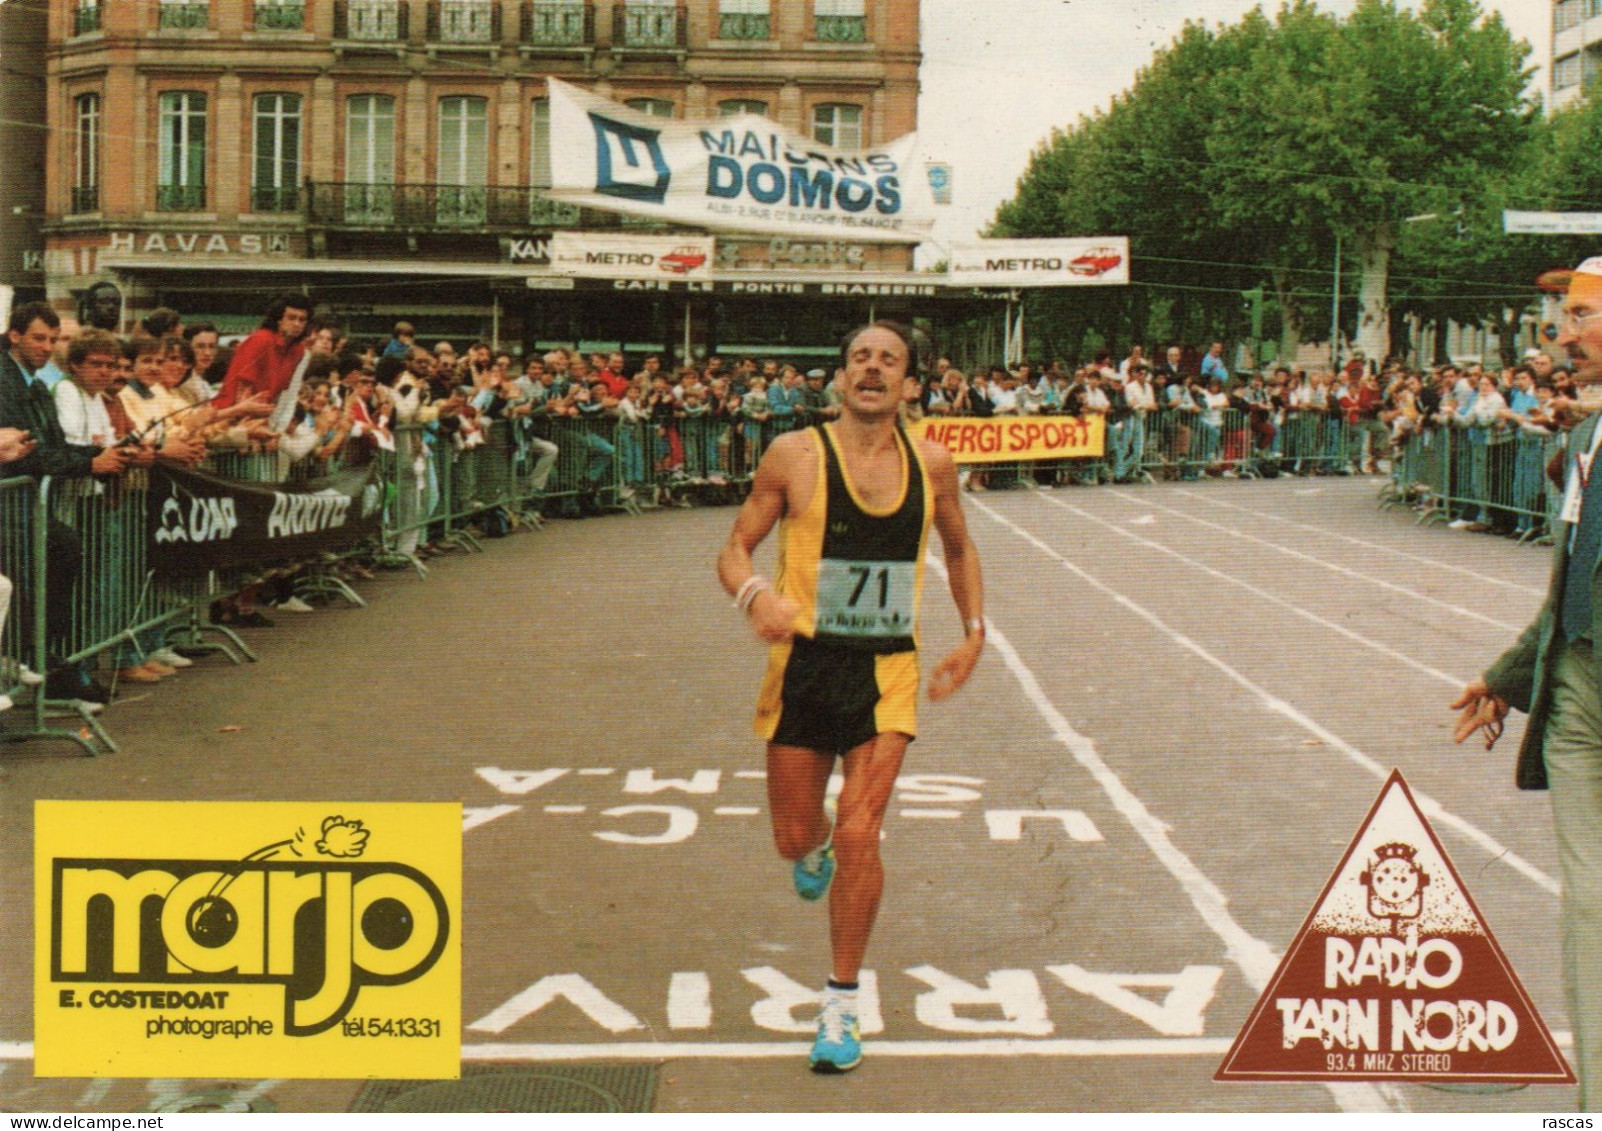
199 243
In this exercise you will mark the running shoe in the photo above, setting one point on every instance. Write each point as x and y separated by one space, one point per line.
814 872
838 1047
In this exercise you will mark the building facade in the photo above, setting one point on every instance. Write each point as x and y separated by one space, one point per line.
22 140
1576 49
387 157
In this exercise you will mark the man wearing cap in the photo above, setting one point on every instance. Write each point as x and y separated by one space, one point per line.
1554 673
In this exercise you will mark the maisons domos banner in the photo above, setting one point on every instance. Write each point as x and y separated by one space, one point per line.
742 173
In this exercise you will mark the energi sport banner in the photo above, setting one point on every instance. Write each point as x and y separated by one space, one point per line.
742 173
200 522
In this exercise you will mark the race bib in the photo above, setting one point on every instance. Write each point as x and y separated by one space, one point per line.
868 599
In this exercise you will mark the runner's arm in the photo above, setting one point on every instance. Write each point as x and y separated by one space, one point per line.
772 616
962 569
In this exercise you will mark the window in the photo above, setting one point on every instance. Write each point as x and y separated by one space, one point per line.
371 21
467 21
280 15
369 158
463 160
276 177
86 153
840 21
1593 8
733 106
181 152
648 23
555 23
87 17
184 14
743 19
651 107
838 125
1567 15
1566 72
542 210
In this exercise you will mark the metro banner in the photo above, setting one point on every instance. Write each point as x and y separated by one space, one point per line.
742 173
1008 439
603 255
1095 261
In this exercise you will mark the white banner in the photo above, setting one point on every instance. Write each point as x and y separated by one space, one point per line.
602 255
1551 223
1095 261
743 173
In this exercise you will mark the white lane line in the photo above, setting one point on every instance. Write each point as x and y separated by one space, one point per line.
753 775
1401 590
596 772
736 811
1432 563
1255 958
564 808
1453 681
1432 808
931 814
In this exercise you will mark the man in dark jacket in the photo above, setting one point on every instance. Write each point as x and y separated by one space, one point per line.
26 404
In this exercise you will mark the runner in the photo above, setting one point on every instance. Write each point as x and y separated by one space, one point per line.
857 496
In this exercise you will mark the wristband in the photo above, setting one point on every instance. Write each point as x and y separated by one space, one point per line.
748 591
974 625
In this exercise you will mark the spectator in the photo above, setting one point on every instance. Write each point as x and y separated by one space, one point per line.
399 345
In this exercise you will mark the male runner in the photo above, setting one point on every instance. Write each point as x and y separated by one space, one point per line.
857 496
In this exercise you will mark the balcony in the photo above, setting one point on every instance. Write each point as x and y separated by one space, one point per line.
180 198
471 23
266 198
745 25
650 27
85 199
184 15
371 21
432 208
548 24
86 19
280 15
840 29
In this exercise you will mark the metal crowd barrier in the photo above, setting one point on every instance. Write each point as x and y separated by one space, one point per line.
1494 477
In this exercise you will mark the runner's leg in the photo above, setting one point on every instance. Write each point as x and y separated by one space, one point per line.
798 778
870 778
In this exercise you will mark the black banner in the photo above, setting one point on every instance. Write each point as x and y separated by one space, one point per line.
200 522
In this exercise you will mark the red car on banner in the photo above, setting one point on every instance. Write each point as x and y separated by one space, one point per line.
1096 261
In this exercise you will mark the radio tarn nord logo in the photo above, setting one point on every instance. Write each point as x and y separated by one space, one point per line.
306 913
629 162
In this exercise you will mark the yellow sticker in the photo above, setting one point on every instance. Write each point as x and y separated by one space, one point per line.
247 939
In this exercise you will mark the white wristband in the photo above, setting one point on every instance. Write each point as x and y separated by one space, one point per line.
974 625
748 591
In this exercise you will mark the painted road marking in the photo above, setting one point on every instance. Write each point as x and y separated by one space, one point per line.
752 775
1344 571
1433 809
1255 959
1007 824
736 811
1432 563
596 771
565 808
472 818
930 814
1179 1014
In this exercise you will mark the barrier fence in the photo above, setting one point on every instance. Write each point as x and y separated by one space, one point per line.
443 491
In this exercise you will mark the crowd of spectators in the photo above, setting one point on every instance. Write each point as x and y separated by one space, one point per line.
296 393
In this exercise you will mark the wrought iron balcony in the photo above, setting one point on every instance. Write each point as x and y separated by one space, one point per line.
745 25
184 14
86 19
86 199
180 198
476 22
371 21
650 27
433 207
557 23
840 29
280 15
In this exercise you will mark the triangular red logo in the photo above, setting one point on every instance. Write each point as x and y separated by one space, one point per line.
1395 976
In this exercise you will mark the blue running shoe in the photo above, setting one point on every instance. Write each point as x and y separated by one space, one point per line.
814 872
838 1047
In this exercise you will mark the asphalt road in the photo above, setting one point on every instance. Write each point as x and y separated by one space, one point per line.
1195 691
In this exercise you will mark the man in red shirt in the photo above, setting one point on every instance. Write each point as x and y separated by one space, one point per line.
265 362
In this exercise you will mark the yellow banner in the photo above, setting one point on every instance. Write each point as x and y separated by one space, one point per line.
247 939
1005 439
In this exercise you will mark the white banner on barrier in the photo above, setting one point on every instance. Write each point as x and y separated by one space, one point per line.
602 255
1094 261
743 173
1551 223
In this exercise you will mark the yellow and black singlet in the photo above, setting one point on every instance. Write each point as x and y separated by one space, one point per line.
851 671
856 573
